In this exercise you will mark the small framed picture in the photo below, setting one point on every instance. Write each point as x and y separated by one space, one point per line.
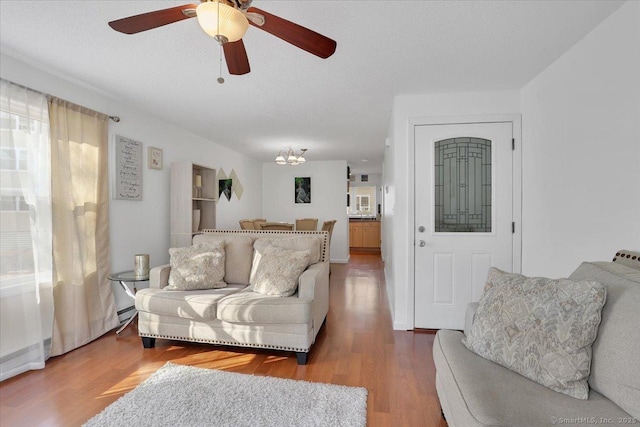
155 158
302 189
225 187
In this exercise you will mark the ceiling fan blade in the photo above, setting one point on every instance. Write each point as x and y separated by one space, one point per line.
147 21
295 34
236 57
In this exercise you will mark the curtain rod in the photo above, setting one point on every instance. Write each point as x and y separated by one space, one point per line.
116 119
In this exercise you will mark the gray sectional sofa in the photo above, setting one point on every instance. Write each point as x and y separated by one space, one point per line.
235 315
474 391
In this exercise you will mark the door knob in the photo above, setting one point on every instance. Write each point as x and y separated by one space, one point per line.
421 229
422 243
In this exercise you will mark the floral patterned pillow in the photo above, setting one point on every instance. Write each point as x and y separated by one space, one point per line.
277 270
540 328
199 266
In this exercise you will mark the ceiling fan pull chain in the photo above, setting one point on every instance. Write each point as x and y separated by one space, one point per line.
220 79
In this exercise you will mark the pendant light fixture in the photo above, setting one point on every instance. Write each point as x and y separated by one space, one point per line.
290 158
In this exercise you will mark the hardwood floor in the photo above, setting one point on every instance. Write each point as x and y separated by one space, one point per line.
356 347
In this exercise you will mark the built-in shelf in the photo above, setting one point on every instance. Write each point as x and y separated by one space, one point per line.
187 197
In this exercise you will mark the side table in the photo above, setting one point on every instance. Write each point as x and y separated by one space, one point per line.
123 278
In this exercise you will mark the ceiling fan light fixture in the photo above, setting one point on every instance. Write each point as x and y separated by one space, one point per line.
233 24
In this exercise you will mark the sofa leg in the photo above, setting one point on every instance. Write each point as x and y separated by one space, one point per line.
148 342
302 358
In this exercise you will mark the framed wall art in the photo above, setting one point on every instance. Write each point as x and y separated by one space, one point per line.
302 190
225 187
154 156
128 174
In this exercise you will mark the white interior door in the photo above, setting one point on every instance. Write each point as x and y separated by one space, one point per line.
463 216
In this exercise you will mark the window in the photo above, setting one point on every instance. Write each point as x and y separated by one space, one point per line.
14 159
13 203
24 189
363 201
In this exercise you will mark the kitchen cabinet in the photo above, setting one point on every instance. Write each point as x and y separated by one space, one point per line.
364 234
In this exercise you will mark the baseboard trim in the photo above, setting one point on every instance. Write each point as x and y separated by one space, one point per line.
425 331
126 313
365 250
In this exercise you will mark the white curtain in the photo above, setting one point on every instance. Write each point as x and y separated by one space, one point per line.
84 307
25 230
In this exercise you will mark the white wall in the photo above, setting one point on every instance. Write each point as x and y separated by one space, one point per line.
398 229
581 154
328 198
143 227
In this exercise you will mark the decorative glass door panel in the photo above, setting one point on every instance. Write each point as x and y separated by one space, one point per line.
462 184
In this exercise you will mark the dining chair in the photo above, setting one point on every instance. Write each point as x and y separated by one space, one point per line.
247 224
328 226
276 226
307 224
257 222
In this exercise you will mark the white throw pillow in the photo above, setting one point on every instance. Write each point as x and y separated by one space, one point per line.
238 253
540 328
295 243
277 270
197 267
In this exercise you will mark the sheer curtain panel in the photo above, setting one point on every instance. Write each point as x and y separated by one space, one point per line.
84 307
26 311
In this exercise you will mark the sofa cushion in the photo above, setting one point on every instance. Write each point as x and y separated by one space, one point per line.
277 271
628 258
477 392
252 307
197 305
199 266
615 366
238 255
541 328
296 243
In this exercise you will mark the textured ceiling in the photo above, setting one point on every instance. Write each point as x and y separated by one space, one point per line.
339 108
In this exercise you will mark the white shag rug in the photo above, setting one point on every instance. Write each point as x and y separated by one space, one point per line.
185 396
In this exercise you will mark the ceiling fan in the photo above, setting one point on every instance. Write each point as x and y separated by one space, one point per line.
227 21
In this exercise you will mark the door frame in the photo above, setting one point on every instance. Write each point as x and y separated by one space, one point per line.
516 128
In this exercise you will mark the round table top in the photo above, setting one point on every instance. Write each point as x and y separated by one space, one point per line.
127 276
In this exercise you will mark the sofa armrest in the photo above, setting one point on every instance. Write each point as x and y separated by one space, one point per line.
469 315
312 279
313 285
159 276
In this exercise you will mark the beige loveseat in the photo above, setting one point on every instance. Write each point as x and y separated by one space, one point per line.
474 391
235 315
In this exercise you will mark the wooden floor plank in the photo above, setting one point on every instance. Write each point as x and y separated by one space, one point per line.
357 346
